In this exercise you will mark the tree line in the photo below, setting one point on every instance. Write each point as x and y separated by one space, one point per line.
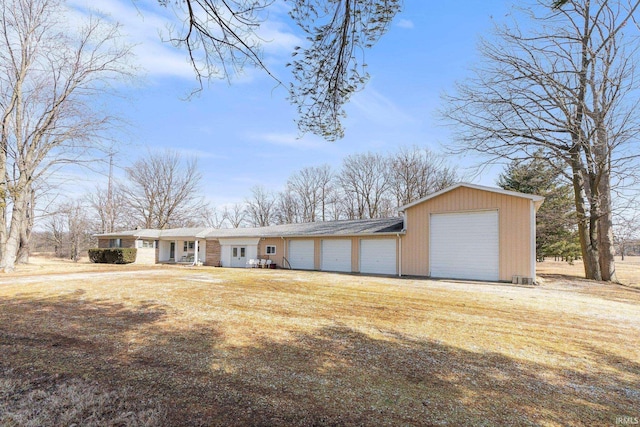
163 190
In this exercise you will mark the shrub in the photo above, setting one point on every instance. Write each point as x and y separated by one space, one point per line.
113 255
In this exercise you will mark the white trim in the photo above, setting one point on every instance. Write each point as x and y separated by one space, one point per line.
533 197
399 255
534 256
239 241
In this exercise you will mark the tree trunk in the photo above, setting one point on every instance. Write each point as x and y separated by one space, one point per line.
605 230
18 216
24 248
587 226
4 198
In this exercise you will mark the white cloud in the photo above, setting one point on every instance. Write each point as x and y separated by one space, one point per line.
146 25
142 29
380 109
405 23
291 140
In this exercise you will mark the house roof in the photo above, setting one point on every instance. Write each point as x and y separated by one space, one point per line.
535 198
327 228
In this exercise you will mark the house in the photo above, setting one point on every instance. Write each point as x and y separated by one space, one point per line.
466 231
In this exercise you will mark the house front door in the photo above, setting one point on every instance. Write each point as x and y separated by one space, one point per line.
238 256
172 251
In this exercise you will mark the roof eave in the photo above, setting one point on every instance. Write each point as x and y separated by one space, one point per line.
295 236
534 197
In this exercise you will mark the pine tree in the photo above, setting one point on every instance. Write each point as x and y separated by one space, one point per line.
556 218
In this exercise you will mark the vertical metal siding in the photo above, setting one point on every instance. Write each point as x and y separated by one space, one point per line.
514 229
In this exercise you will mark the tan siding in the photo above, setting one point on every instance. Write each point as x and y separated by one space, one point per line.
514 229
317 253
355 254
278 243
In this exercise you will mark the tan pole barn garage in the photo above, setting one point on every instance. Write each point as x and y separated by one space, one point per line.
466 231
469 231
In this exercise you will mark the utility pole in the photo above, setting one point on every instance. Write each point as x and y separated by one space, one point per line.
110 213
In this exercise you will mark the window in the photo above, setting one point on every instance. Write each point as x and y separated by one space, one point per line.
271 249
115 243
147 243
189 246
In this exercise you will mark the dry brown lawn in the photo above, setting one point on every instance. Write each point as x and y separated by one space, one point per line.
127 345
628 271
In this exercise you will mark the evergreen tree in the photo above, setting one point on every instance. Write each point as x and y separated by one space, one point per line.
556 218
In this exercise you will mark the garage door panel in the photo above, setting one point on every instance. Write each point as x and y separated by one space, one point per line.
378 256
465 245
302 254
336 255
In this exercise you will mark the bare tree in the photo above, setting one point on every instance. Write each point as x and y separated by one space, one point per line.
260 208
162 190
49 80
223 37
311 187
236 215
565 87
417 172
364 178
287 208
56 225
626 229
78 227
111 209
70 228
212 217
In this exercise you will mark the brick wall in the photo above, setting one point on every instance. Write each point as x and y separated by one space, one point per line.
126 243
214 252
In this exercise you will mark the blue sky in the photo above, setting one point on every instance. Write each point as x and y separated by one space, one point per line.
244 132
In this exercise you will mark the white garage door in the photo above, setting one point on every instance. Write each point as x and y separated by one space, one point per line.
465 245
378 256
301 254
336 255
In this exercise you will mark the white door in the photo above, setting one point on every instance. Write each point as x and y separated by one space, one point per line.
301 254
378 256
238 256
336 255
465 245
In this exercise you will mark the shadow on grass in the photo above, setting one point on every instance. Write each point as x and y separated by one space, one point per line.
333 376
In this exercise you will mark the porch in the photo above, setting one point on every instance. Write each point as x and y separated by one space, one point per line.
182 251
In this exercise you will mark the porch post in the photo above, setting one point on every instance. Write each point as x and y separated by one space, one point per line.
195 255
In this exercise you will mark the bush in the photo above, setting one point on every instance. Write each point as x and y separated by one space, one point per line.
113 255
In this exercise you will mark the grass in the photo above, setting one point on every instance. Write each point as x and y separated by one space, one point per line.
209 346
628 271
